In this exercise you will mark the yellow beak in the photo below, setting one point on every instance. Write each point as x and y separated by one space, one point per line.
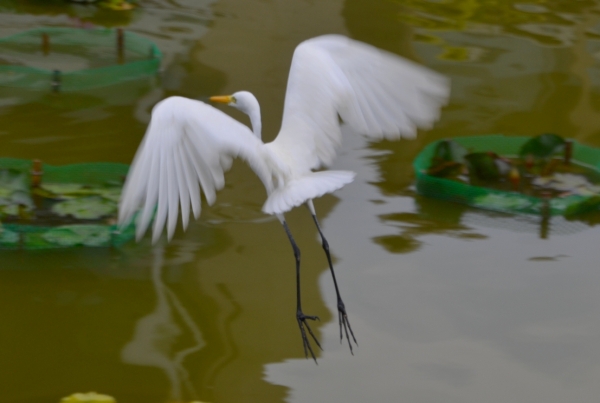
222 99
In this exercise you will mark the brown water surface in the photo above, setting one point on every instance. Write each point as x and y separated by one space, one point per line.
449 304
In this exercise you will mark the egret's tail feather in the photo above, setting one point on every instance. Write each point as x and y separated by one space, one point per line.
298 191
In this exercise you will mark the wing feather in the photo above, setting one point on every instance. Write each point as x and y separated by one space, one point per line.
189 172
186 187
201 170
151 192
163 198
187 143
173 193
377 93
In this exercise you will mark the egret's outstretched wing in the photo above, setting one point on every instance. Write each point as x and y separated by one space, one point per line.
376 92
187 142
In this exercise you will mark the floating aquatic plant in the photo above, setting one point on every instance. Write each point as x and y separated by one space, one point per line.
87 208
41 208
90 397
72 235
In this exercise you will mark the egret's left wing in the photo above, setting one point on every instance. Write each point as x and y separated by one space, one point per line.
377 93
186 144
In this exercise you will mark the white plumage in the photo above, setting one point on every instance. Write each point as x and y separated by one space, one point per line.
189 144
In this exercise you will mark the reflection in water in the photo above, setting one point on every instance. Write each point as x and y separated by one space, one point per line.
516 68
389 35
108 118
451 321
156 335
509 60
432 216
547 22
230 350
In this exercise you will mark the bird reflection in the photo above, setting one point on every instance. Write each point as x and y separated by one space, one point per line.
156 334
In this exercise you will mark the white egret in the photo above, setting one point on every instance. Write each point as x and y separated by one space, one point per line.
189 142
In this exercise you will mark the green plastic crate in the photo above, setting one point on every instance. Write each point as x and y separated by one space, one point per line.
498 200
84 58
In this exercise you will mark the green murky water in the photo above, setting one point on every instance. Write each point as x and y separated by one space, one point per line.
449 304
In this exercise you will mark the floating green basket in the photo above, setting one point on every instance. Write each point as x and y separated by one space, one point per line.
74 59
498 200
99 182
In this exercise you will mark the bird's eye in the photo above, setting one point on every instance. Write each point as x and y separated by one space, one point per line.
233 100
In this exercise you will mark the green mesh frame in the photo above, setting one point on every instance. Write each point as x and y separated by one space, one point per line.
23 62
498 200
30 236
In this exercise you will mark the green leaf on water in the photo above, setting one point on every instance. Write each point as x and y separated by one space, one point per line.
8 237
449 150
9 209
110 193
91 208
12 180
90 397
72 235
22 198
61 188
506 201
543 146
587 204
448 159
39 191
69 190
9 204
567 182
14 188
483 166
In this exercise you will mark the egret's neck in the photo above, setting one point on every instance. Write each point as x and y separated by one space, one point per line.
247 103
255 122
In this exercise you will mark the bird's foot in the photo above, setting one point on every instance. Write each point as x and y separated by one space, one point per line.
303 324
345 324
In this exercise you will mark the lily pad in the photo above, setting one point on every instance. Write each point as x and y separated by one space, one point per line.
8 237
117 5
110 193
567 182
505 202
22 198
13 203
91 208
90 397
70 190
61 188
12 181
9 209
14 188
71 235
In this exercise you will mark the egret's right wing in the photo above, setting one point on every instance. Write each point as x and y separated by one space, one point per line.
187 142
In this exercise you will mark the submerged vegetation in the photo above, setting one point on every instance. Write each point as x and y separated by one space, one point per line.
35 213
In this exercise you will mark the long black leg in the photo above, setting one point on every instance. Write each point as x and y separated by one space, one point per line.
300 316
342 316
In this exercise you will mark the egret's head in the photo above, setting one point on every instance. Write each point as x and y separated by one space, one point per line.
242 100
245 102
